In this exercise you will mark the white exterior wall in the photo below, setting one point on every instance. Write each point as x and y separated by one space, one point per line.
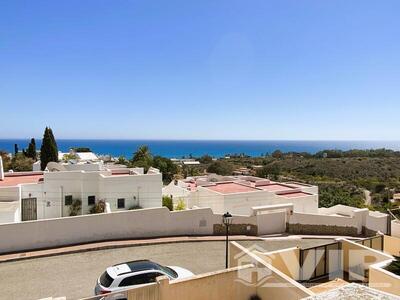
47 202
144 190
144 223
204 197
9 193
10 204
84 167
271 222
395 228
378 222
306 203
315 219
242 203
177 192
9 212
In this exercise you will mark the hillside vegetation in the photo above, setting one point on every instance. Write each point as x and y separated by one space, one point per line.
343 177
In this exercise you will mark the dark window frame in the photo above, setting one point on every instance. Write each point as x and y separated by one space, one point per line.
91 200
119 206
68 200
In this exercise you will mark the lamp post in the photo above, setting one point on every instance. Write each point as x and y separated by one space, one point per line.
227 220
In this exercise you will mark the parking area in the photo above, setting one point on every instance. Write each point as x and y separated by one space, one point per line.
75 275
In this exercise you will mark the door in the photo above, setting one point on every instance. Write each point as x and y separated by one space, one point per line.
271 222
29 209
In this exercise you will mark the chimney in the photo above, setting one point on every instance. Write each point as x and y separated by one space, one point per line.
1 169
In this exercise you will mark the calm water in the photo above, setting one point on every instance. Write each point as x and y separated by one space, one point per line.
171 148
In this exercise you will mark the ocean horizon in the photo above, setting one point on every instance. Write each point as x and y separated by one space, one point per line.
196 148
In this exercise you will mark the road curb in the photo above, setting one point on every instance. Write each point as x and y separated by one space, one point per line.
4 258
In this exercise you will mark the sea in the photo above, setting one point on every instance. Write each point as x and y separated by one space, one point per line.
197 148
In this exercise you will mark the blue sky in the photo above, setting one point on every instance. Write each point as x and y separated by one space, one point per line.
206 69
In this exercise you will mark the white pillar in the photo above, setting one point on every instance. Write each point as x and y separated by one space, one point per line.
1 169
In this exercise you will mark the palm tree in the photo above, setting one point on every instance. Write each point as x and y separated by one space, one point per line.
142 153
142 158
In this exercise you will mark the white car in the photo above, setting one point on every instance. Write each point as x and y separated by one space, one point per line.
125 275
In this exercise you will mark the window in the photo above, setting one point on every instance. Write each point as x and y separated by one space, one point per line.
140 279
91 200
105 279
68 200
121 203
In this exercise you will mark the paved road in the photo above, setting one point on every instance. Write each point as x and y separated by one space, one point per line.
74 275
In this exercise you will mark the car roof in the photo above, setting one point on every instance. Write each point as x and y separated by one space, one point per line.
134 266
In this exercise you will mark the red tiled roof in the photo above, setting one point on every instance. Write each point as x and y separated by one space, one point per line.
15 180
275 187
230 188
295 194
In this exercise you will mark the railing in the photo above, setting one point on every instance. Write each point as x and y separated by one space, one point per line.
320 261
375 242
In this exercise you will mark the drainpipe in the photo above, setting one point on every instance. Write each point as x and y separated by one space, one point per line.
1 169
62 202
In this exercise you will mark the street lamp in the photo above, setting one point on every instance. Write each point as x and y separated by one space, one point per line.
227 220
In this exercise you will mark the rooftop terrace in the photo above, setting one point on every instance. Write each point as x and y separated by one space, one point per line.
353 291
230 188
16 179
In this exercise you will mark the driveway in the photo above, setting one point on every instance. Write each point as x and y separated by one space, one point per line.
74 275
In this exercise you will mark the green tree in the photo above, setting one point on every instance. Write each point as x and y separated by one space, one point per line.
220 167
271 170
6 160
277 154
31 151
49 150
20 163
122 160
205 159
331 195
166 167
82 149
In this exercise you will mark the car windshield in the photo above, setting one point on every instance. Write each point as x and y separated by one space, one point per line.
171 273
106 279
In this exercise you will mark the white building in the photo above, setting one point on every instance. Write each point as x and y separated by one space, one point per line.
41 195
85 161
238 194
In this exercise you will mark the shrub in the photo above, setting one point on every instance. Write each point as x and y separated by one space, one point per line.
221 168
133 207
167 202
180 205
394 266
98 208
75 207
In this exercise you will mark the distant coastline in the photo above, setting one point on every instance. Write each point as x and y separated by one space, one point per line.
215 148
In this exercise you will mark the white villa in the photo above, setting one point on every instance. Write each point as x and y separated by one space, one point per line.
42 195
85 161
238 194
